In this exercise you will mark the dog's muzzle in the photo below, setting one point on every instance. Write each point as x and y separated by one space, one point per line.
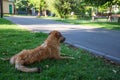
62 40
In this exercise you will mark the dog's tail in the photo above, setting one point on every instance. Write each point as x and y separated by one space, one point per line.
19 65
25 69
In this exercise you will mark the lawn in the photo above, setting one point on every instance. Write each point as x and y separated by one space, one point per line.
101 24
84 67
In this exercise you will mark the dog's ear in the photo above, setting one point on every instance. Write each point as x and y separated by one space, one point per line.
57 35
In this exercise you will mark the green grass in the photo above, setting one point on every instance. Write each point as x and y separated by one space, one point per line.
84 67
101 24
48 17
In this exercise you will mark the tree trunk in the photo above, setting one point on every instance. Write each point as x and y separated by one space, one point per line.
110 14
118 19
1 8
44 13
39 11
93 14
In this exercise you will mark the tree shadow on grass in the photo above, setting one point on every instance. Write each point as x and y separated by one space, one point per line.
5 22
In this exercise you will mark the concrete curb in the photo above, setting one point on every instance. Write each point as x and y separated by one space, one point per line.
97 53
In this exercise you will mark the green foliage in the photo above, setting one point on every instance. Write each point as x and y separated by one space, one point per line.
35 3
21 4
81 10
60 7
38 4
51 6
96 2
102 2
63 8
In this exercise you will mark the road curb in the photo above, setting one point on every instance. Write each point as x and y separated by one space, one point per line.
96 53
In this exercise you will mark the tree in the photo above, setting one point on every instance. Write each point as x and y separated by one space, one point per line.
38 4
81 8
22 5
62 8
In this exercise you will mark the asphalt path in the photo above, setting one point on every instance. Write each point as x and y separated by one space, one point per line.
99 41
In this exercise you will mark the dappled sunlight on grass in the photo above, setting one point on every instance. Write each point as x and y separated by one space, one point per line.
5 22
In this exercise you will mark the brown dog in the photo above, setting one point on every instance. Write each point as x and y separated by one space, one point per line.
49 49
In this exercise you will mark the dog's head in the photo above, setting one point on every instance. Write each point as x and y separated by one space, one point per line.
58 36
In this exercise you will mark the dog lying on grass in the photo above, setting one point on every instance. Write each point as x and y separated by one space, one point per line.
49 49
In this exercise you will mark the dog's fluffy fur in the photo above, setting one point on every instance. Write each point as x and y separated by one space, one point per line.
49 49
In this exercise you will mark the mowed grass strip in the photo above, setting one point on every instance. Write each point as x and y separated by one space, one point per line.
87 23
100 23
84 67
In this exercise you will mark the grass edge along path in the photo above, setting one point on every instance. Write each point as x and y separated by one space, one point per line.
87 23
97 24
84 67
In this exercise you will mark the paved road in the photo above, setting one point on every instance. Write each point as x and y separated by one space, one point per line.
99 41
